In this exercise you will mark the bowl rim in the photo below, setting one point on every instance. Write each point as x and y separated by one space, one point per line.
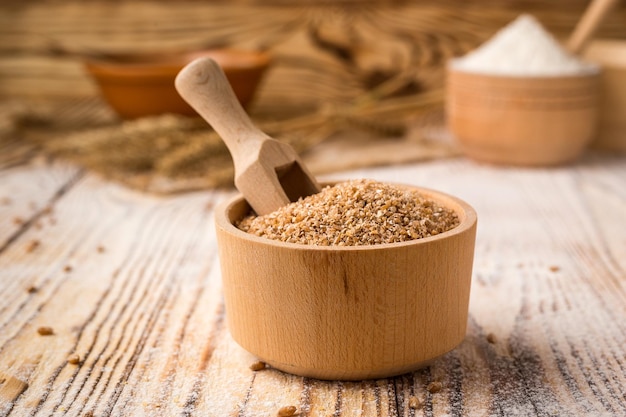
592 73
134 64
467 215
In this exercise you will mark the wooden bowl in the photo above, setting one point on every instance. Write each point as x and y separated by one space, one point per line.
531 121
611 56
143 84
347 313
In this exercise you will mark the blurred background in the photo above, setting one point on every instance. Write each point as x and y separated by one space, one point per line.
350 83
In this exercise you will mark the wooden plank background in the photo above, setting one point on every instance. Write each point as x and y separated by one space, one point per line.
323 50
326 56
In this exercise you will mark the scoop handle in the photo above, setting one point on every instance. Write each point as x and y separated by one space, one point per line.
588 23
203 85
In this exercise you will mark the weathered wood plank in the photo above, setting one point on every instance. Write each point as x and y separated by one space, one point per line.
103 302
542 286
26 193
546 334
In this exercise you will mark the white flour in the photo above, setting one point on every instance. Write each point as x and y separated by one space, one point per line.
523 48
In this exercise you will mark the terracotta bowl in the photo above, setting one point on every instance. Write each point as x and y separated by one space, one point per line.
342 312
532 121
143 85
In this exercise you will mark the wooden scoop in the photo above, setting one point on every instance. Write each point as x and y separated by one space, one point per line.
268 173
589 22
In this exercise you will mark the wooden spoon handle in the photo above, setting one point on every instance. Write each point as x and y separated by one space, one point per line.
205 87
588 23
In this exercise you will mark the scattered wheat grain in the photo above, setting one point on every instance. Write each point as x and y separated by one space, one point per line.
414 403
434 387
258 366
45 331
32 245
73 359
287 411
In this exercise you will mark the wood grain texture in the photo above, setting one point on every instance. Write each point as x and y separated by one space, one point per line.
611 54
131 284
27 196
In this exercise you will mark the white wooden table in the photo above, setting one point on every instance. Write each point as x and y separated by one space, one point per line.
131 283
